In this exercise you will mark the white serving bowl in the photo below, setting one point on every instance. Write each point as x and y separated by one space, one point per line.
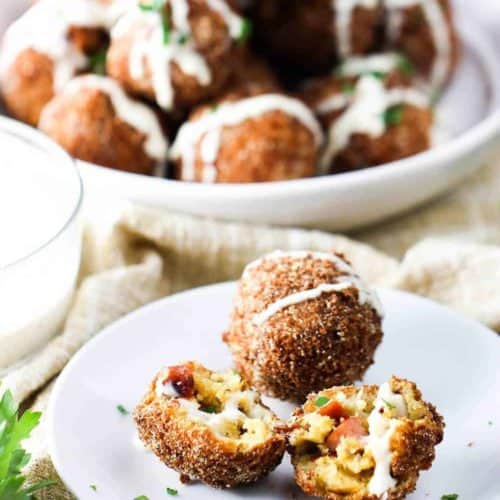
40 200
471 105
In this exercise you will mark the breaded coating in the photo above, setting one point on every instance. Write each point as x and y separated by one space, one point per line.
284 342
209 426
364 443
272 145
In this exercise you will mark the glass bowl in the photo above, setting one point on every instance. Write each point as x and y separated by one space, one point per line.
41 196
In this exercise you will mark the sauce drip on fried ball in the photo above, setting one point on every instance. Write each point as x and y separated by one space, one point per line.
362 443
176 54
248 138
96 121
302 321
209 426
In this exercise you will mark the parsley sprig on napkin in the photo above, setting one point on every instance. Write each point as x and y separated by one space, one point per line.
13 430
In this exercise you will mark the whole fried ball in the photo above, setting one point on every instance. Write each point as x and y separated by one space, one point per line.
302 320
256 138
173 59
95 121
310 36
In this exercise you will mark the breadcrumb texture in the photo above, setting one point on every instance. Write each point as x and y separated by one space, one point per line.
195 450
330 340
350 466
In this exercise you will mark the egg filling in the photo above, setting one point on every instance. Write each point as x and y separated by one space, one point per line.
222 402
342 440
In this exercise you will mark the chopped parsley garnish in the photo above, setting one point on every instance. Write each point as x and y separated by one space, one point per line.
246 30
393 115
213 109
158 6
453 496
348 88
405 66
321 401
98 62
141 497
153 6
172 491
380 75
209 409
13 458
122 410
389 405
93 487
183 38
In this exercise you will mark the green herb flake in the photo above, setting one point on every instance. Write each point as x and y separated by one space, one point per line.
98 62
153 6
321 401
453 496
141 497
246 30
183 38
13 458
348 88
214 109
93 487
209 409
405 66
393 115
122 410
380 75
165 24
389 405
171 491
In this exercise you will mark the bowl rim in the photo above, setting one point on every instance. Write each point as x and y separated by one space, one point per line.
471 36
35 139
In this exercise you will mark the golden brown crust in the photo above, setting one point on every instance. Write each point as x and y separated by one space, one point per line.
86 125
212 40
412 444
27 86
196 452
302 37
314 344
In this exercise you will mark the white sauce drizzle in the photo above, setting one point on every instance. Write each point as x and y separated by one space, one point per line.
382 423
210 125
350 280
365 115
149 47
135 113
438 26
358 65
343 21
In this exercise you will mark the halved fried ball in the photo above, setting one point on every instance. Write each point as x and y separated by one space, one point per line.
94 120
370 118
303 320
310 36
182 64
364 443
425 31
209 426
245 137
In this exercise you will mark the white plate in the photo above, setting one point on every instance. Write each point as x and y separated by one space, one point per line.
454 360
348 200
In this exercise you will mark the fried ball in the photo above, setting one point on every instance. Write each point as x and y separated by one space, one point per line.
302 320
426 33
364 443
179 66
36 63
95 121
370 119
309 36
248 138
209 426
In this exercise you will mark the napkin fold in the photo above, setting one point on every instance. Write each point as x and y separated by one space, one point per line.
447 251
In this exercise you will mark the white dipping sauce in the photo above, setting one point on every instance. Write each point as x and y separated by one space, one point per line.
231 114
38 194
136 114
381 428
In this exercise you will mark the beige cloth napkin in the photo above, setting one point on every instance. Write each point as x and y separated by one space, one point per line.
448 251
